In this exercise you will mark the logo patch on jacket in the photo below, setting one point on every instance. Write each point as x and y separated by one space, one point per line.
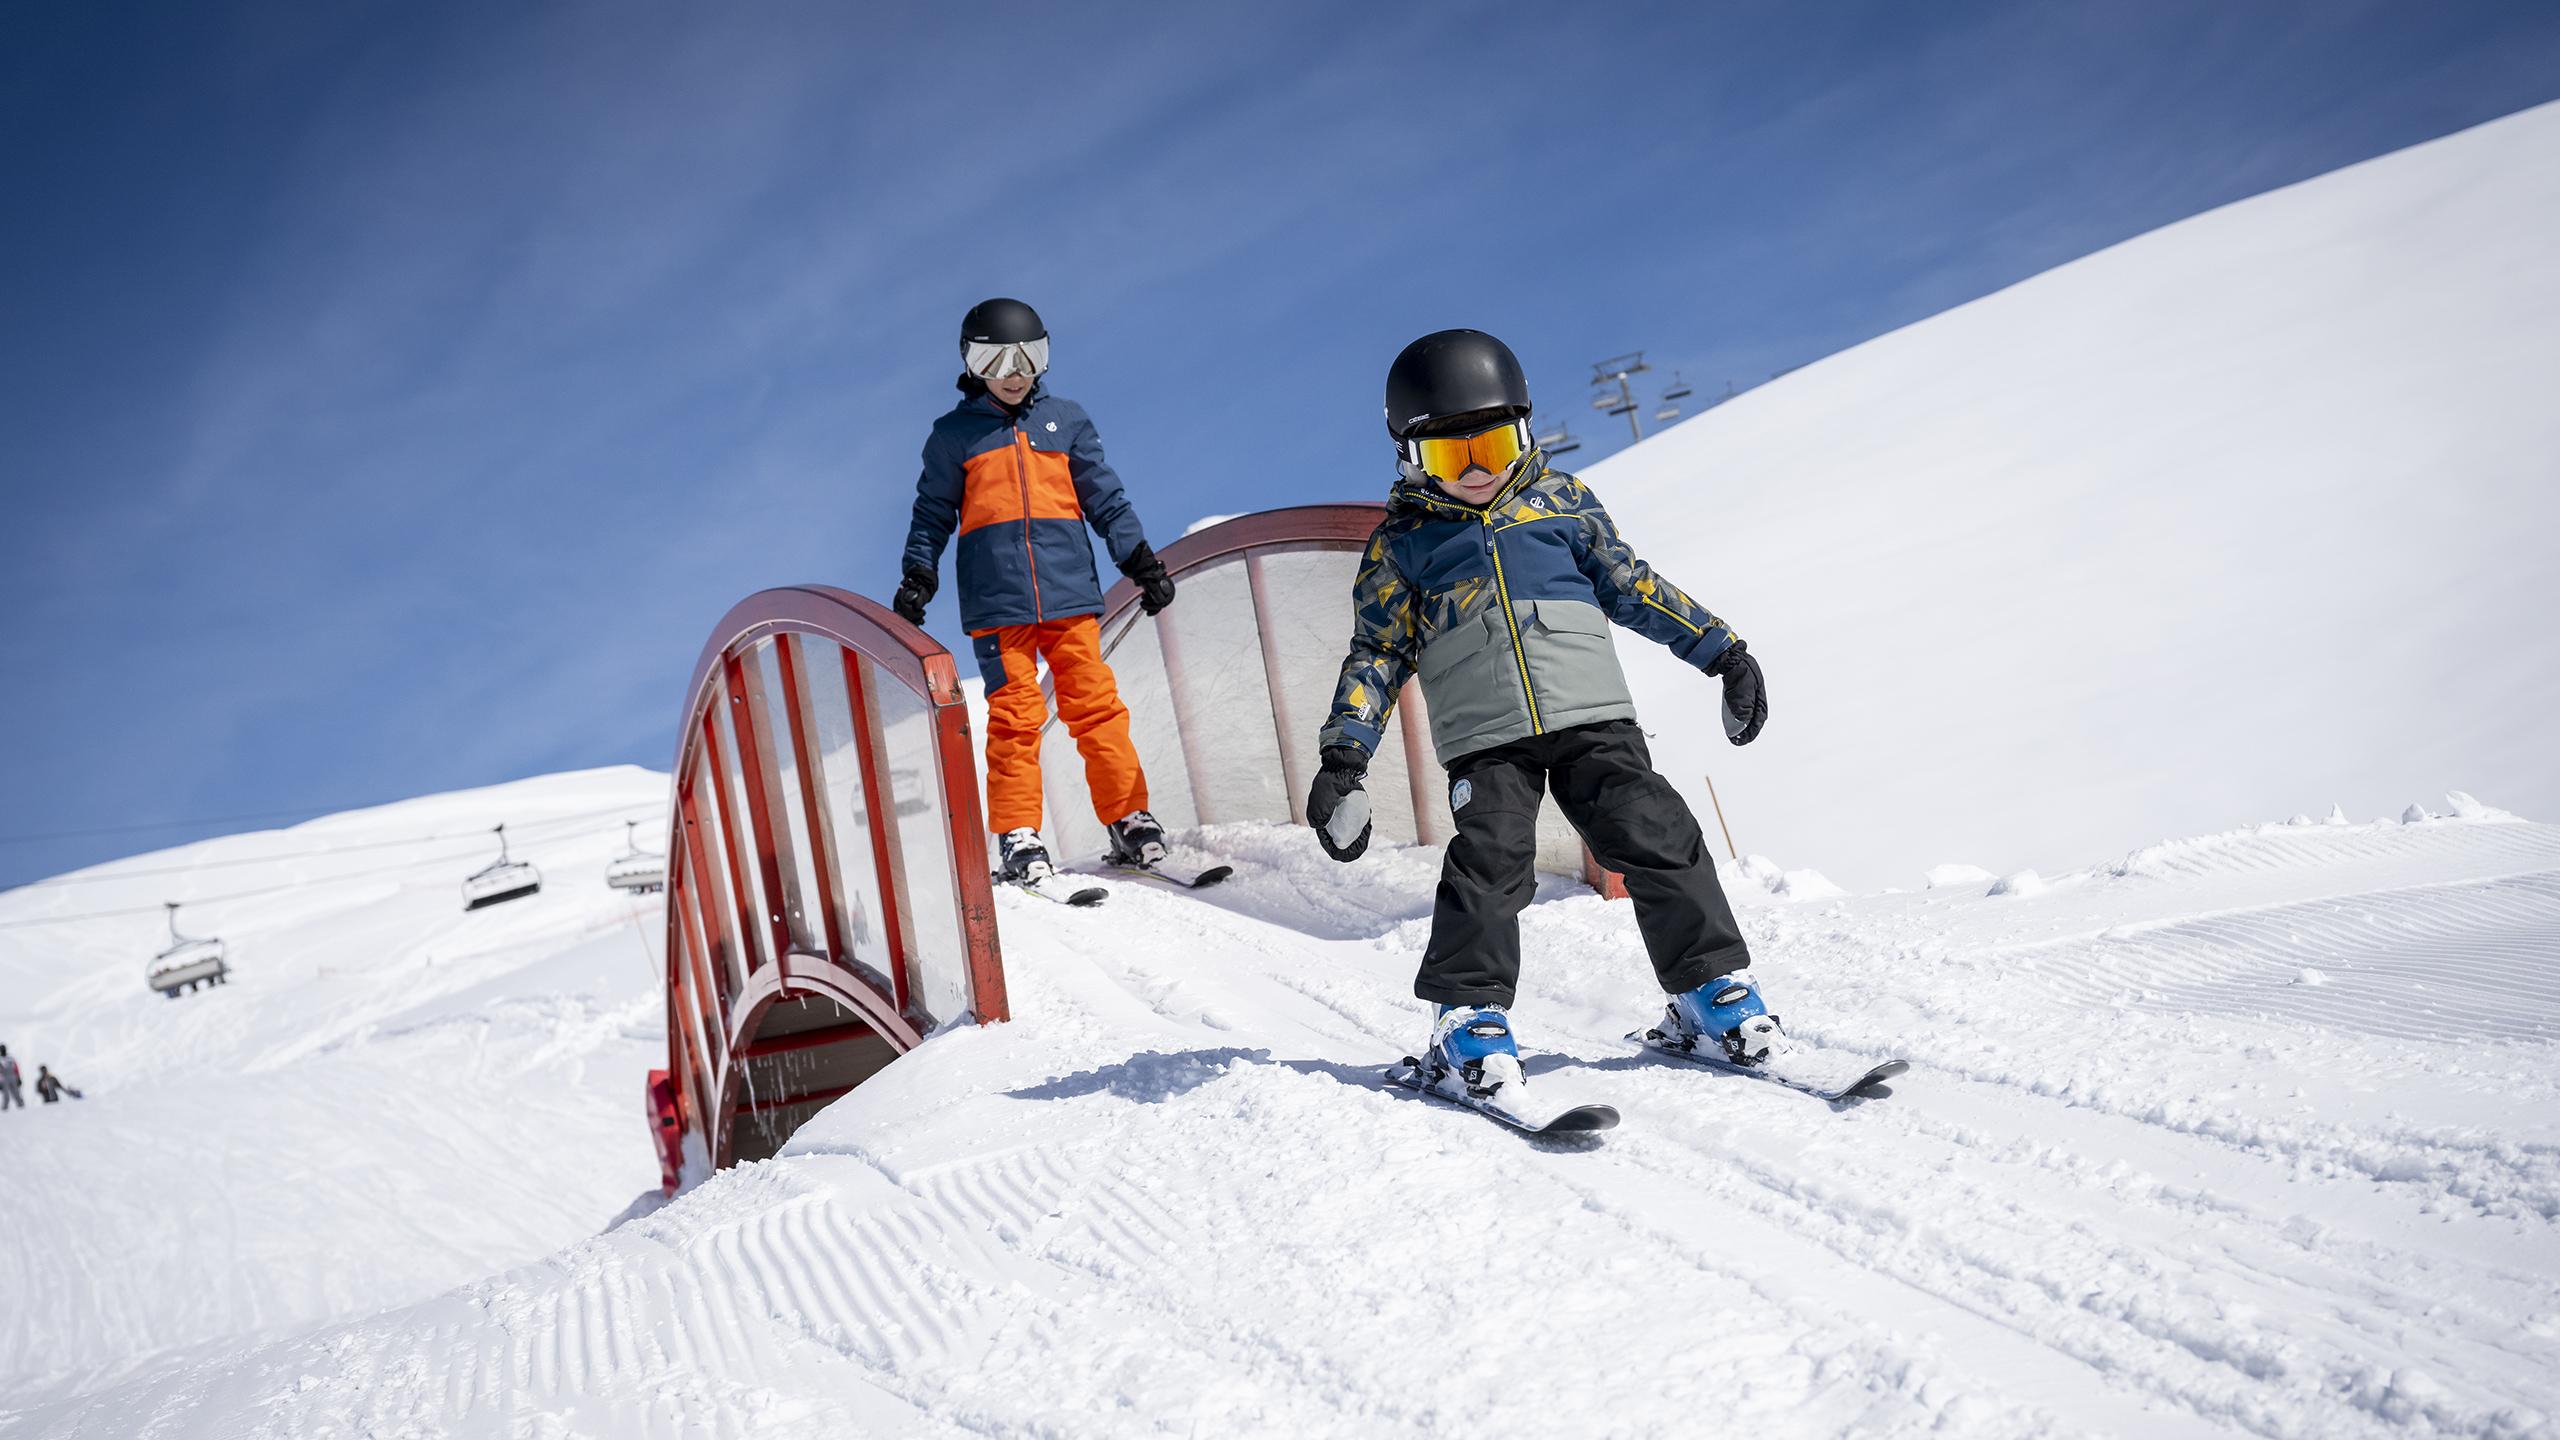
1053 427
1461 793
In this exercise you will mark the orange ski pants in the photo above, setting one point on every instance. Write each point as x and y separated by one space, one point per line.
1088 700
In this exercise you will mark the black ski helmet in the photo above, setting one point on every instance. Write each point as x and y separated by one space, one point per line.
1001 322
1461 376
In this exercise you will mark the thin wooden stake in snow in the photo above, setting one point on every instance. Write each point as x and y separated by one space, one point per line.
1727 829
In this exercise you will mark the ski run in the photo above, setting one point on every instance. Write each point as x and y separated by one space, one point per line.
2245 1135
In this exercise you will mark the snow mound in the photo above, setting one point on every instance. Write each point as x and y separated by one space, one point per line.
1762 874
1958 877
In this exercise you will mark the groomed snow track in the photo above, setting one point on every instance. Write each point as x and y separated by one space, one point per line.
1172 1197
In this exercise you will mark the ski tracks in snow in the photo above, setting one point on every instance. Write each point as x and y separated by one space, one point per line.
1175 1198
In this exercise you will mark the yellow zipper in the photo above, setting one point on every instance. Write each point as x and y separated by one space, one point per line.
1502 588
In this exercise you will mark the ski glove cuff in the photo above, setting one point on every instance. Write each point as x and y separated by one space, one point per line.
1155 587
1336 805
1746 699
915 593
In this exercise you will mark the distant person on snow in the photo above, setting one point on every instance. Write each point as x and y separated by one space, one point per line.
50 1086
1017 474
1495 579
9 1091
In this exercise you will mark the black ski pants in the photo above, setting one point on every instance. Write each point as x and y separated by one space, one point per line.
1604 781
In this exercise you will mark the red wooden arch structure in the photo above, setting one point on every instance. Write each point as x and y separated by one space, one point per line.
827 890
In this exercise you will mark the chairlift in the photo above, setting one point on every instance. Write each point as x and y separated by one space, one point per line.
641 872
1625 406
1603 401
1558 441
501 880
187 962
1680 389
1668 413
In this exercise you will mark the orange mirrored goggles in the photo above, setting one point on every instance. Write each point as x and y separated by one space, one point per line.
1494 451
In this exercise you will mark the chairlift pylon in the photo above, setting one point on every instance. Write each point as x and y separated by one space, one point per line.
187 963
501 880
641 872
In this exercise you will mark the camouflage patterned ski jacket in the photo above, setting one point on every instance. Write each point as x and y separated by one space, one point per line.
1504 613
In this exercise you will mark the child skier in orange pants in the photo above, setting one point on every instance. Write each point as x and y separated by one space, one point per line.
1017 473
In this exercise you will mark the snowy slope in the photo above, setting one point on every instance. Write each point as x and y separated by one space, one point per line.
391 1097
2149 1179
2252 513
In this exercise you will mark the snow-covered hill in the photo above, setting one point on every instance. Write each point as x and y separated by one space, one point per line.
2247 1135
392 1097
2253 512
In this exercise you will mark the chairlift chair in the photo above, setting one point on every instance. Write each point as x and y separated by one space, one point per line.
501 880
1558 441
187 962
1680 389
641 872
1668 413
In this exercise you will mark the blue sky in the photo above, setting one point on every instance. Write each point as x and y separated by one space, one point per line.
391 396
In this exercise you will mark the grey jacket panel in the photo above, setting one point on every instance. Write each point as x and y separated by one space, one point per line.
1485 692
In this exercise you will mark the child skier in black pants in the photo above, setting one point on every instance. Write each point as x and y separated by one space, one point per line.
1496 579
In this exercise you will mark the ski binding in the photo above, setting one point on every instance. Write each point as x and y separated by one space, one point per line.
1859 1087
1188 880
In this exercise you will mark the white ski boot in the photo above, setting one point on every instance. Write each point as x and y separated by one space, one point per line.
1136 839
1021 859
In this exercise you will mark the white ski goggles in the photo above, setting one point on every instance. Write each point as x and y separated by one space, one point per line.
992 361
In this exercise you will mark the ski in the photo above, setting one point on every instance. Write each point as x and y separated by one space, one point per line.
1058 890
1188 880
1863 1086
1530 1118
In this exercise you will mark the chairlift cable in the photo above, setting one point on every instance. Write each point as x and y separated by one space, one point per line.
302 854
198 900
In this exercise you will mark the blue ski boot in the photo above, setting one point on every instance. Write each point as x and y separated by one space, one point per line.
1724 1013
1475 1042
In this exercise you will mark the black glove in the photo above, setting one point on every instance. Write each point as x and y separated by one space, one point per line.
915 593
1336 805
1155 588
1746 703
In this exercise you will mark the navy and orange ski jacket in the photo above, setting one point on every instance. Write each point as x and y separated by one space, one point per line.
1018 490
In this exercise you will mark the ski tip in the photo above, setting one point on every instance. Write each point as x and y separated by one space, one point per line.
1212 876
1582 1119
1090 896
1875 1080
